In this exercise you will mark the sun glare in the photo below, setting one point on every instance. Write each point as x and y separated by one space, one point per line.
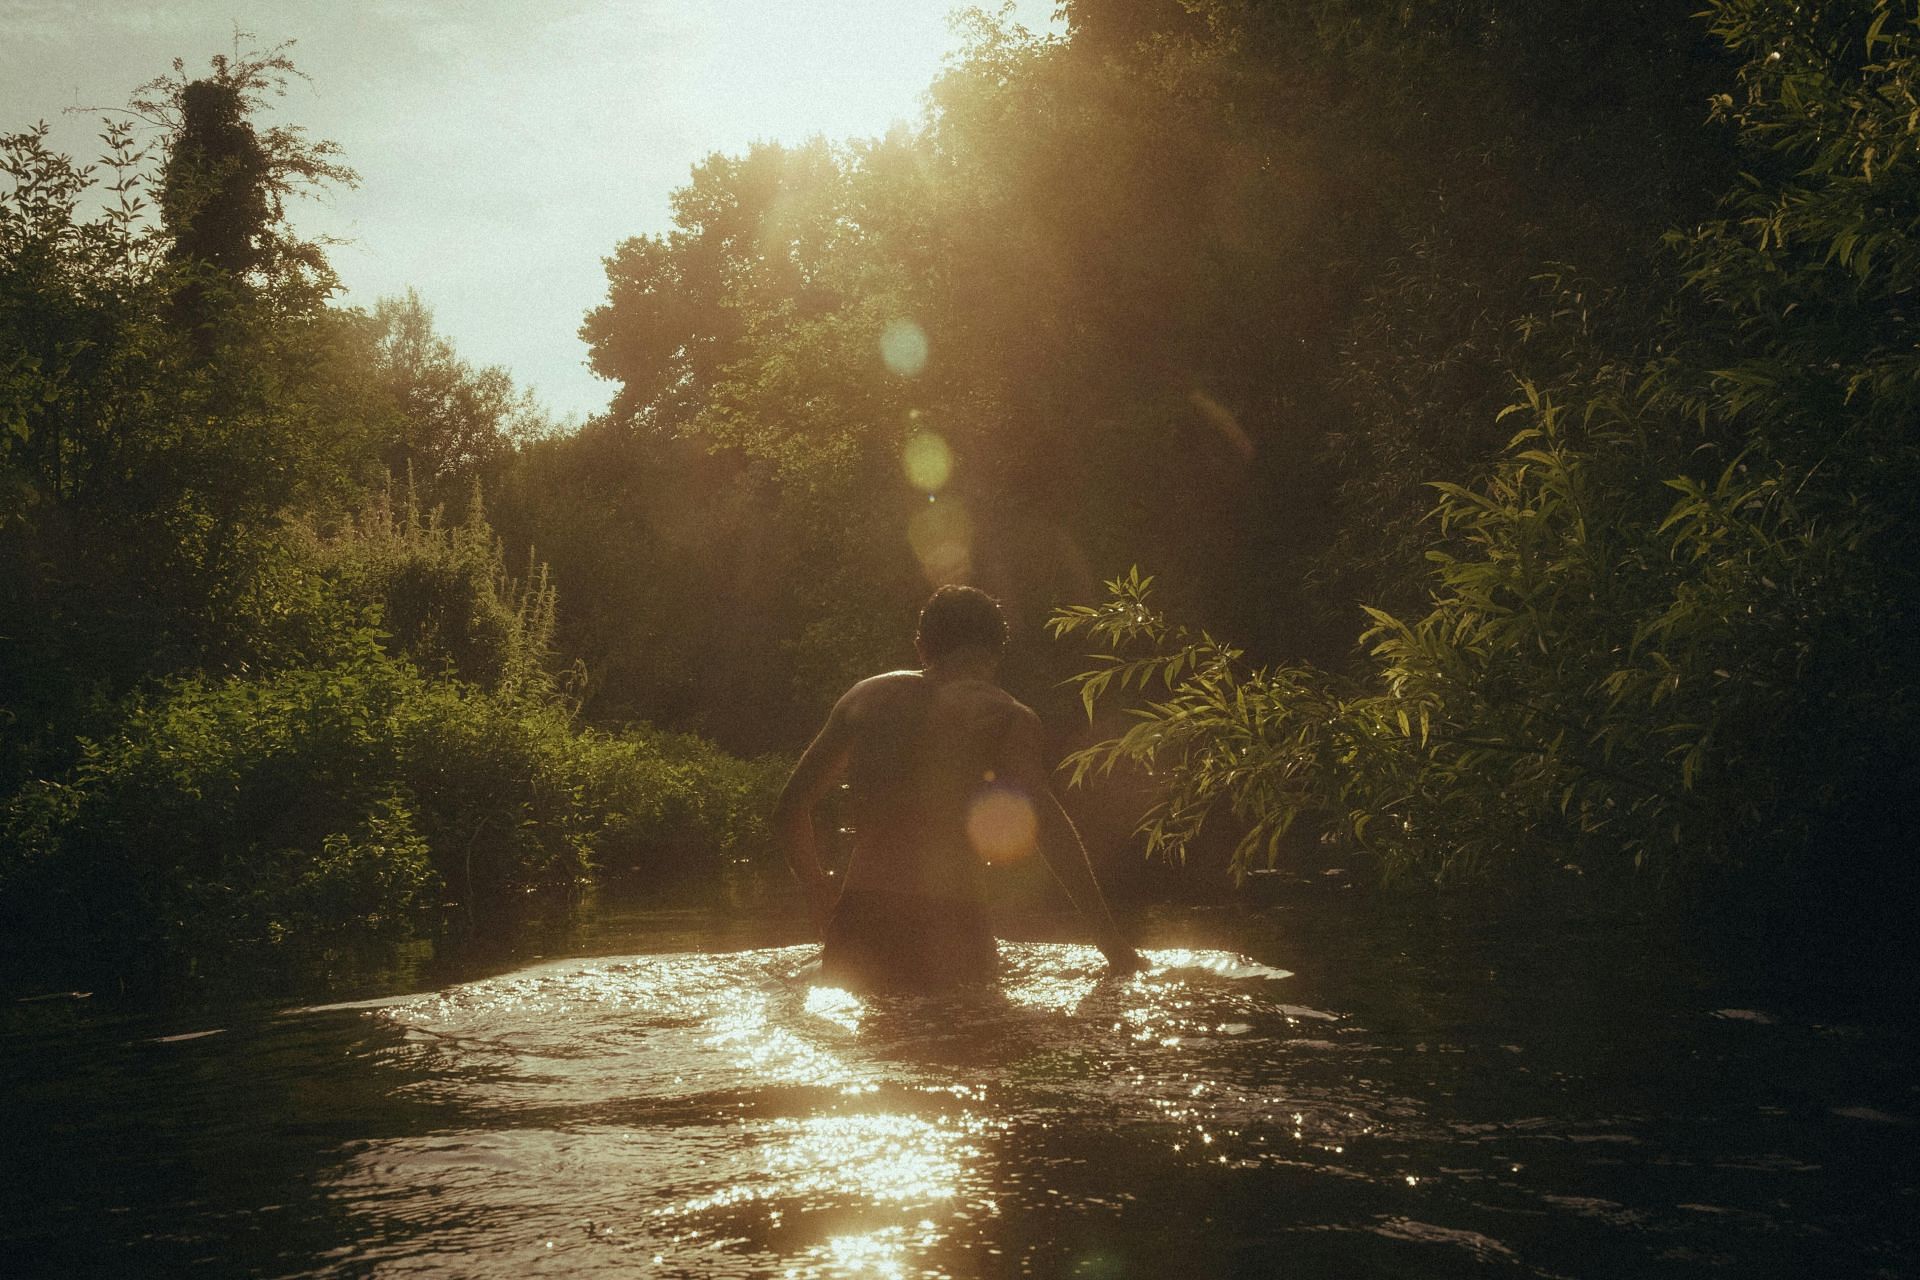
1001 824
903 346
927 461
942 538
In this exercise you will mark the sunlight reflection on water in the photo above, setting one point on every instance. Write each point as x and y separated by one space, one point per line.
714 1113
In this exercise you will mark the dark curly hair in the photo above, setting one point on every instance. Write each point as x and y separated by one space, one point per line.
958 618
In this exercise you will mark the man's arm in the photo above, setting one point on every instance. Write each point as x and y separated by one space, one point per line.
1061 845
820 767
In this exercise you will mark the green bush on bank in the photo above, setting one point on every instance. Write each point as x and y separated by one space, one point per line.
387 755
285 817
444 596
668 804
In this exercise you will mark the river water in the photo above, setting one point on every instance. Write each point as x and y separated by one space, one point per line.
1336 1088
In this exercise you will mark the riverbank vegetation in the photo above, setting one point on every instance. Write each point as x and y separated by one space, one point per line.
1512 403
1665 627
264 704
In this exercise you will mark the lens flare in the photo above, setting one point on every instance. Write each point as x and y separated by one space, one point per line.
903 347
1002 825
1222 419
927 461
942 538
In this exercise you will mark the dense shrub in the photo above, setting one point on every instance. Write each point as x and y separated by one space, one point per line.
226 818
318 808
671 804
443 594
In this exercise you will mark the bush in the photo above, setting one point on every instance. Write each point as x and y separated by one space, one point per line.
316 809
669 804
443 594
225 819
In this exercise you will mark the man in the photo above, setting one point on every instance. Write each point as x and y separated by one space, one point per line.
945 772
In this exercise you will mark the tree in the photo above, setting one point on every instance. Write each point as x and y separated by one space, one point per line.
147 468
252 707
213 199
447 423
225 186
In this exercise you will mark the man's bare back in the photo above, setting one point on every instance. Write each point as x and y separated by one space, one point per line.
921 751
946 773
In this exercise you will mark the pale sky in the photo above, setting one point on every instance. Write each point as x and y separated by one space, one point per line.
504 146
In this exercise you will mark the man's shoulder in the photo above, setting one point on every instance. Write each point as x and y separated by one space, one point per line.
886 680
906 675
890 686
1022 719
886 685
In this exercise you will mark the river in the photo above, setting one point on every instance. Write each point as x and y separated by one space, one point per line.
1339 1087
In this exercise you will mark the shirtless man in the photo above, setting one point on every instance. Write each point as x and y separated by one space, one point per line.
945 772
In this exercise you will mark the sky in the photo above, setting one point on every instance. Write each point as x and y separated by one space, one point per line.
504 146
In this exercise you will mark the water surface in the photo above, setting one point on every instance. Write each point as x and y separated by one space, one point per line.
1332 1090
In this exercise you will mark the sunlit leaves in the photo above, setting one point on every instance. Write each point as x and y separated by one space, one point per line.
1256 743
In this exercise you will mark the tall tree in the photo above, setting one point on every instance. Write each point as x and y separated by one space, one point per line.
147 462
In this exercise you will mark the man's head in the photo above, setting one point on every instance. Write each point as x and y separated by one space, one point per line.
960 618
